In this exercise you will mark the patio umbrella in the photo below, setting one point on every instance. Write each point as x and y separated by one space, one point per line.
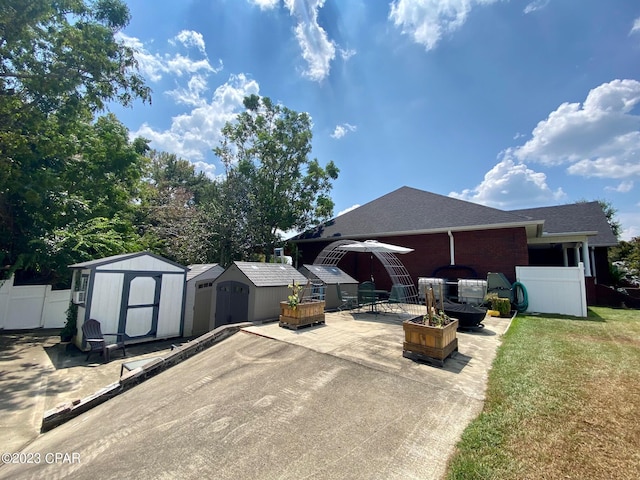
372 246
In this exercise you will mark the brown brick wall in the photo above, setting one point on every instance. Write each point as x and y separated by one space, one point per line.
484 251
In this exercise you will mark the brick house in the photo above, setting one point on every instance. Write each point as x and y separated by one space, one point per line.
453 238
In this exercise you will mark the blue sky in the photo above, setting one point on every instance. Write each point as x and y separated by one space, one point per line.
507 103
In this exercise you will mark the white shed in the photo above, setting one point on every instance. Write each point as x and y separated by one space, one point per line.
139 294
331 277
251 291
197 310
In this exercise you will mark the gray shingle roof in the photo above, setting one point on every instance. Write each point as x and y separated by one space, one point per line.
330 275
407 210
200 268
574 217
270 274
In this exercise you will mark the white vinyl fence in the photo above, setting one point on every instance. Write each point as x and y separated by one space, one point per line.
32 306
559 290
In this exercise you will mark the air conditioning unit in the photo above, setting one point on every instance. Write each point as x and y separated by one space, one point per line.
78 297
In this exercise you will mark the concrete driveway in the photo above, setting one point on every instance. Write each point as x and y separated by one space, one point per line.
333 401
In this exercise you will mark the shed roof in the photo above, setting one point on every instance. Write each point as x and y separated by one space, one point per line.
123 256
270 274
574 217
330 274
408 211
200 268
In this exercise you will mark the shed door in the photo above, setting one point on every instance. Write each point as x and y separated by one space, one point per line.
232 303
202 307
140 305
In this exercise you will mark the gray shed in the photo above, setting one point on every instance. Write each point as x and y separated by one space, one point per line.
251 291
197 310
139 294
331 276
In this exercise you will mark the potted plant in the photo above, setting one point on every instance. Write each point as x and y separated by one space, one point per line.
431 337
70 328
499 304
296 312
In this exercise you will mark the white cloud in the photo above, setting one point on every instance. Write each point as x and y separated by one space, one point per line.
192 94
630 222
636 26
346 54
600 138
341 130
624 187
346 210
428 20
511 185
206 168
536 5
153 65
190 38
193 134
317 50
265 4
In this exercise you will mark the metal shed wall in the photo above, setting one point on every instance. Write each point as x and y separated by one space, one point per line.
208 275
105 292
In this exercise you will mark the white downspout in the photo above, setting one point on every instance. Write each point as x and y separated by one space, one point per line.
585 258
452 249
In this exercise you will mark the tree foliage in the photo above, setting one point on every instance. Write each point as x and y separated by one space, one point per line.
271 184
59 64
171 210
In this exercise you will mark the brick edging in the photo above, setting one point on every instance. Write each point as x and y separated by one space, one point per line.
65 412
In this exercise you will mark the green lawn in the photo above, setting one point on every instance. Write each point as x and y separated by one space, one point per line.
563 401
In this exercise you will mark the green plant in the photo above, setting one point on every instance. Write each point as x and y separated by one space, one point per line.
70 327
294 298
502 305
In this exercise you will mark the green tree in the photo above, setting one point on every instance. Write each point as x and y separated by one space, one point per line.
59 64
171 209
271 183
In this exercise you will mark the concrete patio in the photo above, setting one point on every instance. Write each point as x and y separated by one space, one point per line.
332 401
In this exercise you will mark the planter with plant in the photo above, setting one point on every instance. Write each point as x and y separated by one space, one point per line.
499 304
431 337
296 312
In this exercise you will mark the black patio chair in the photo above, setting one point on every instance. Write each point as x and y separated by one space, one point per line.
94 337
347 301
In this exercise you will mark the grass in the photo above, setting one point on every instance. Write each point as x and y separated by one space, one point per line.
563 401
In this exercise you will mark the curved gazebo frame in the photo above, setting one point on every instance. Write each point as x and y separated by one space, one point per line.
332 254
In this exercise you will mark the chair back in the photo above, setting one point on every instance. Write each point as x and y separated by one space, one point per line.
91 329
398 293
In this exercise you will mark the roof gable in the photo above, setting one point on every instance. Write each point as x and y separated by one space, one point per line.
407 210
270 274
198 269
574 218
128 261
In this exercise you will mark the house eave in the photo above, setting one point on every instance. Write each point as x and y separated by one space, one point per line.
531 226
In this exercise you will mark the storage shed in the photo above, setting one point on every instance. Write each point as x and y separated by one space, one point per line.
331 276
197 310
139 294
252 291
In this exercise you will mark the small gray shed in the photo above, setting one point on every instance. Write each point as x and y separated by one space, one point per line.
139 294
197 310
331 276
252 291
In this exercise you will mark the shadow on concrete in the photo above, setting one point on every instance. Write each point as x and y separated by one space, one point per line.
68 355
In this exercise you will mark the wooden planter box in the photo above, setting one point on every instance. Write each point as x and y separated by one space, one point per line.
430 344
306 313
